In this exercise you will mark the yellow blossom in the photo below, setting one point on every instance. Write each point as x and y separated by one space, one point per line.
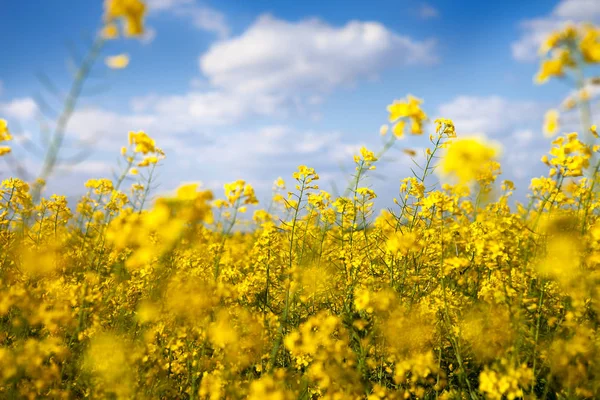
117 62
468 158
551 123
131 11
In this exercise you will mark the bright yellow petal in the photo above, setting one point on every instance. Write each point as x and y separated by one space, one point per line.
117 62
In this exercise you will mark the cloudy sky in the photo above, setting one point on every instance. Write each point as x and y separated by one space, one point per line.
252 89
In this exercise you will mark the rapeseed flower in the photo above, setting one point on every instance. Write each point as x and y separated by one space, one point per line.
117 62
456 291
467 159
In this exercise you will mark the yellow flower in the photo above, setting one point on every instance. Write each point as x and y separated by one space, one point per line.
107 358
570 155
549 69
468 159
400 109
398 129
143 143
416 127
551 123
550 43
117 62
383 130
445 126
590 45
402 244
132 11
110 31
397 110
4 137
366 157
148 161
368 193
411 109
569 103
280 183
361 301
4 133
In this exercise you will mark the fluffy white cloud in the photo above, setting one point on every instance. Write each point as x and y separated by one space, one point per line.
202 17
276 67
578 9
102 126
272 69
253 148
537 29
88 167
163 5
523 137
491 115
216 153
212 107
275 56
208 19
22 108
108 130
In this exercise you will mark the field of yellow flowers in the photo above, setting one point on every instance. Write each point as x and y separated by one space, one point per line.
458 292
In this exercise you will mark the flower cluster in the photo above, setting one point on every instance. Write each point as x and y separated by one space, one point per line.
402 111
469 159
457 291
131 12
4 137
568 156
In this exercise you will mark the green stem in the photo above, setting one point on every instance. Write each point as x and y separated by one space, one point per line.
51 157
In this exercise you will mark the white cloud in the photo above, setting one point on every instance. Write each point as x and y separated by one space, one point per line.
88 167
273 55
520 163
293 69
578 9
276 67
22 108
537 29
163 5
107 128
257 154
523 137
185 137
202 17
491 115
272 69
428 12
208 19
212 107
345 151
249 148
148 36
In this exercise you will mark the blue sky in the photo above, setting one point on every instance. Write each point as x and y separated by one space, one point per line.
252 89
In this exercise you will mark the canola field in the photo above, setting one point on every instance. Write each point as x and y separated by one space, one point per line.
457 292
